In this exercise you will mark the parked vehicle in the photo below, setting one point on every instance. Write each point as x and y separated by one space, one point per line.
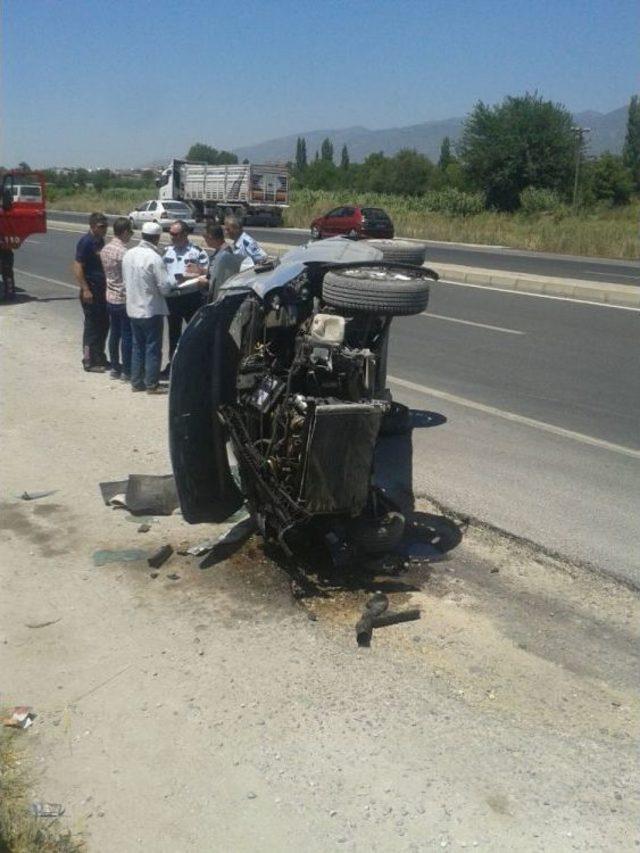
165 213
27 193
353 221
245 190
278 394
22 213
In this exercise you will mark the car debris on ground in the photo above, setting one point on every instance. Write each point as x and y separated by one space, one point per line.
40 809
160 556
34 496
142 494
22 716
375 615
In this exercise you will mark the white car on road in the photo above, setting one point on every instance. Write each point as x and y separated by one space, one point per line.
165 213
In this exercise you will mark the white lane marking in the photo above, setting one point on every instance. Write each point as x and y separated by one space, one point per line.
509 292
618 274
471 323
50 280
519 419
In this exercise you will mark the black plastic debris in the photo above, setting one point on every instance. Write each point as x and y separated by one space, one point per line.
142 494
160 556
376 616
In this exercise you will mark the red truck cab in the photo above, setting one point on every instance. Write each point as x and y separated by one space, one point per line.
22 213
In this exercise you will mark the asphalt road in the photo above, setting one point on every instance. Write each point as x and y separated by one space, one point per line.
537 405
484 257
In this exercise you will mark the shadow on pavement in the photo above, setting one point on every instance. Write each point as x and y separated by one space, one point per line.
21 296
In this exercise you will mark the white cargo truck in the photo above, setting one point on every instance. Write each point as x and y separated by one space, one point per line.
248 191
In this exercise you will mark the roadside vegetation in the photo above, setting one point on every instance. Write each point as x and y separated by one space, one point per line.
520 176
21 831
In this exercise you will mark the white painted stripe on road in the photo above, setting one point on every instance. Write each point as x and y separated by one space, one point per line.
509 292
514 418
619 274
50 280
471 323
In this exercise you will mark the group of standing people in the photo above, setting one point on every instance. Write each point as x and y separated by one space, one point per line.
126 293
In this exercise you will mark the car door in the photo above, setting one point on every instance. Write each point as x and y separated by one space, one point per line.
152 212
331 223
349 221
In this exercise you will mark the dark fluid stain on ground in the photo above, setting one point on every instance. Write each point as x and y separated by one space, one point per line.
47 509
20 520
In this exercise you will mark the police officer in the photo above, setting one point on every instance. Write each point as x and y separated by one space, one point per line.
182 260
243 244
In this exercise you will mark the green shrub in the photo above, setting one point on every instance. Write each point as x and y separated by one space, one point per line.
539 200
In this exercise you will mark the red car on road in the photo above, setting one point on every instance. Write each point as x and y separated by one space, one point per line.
353 221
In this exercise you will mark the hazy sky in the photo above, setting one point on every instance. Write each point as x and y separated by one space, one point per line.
123 83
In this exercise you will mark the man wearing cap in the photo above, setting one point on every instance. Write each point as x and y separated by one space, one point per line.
89 274
146 284
182 260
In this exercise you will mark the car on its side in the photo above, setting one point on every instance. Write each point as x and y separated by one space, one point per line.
353 221
165 213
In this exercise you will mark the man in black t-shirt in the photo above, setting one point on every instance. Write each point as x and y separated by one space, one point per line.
90 276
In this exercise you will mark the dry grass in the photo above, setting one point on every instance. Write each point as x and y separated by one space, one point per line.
602 232
110 201
20 831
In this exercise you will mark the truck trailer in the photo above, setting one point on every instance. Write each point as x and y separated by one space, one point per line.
245 190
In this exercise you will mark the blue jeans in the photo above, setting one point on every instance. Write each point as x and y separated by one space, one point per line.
147 350
119 338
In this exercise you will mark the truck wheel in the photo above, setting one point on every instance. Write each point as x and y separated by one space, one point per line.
402 251
377 290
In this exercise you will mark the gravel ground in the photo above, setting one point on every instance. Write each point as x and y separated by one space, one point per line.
215 712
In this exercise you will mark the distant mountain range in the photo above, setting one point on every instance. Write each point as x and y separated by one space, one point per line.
607 134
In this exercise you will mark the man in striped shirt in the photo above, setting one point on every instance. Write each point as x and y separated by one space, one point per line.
119 326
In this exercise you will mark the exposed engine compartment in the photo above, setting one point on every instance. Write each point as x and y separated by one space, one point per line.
305 421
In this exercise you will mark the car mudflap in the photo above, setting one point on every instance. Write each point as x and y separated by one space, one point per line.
203 373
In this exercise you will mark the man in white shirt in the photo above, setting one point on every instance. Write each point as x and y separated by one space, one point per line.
182 260
146 284
243 244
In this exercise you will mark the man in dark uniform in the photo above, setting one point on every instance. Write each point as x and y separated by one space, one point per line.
90 276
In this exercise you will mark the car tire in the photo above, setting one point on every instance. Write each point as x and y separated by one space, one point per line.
377 290
402 251
315 234
132 224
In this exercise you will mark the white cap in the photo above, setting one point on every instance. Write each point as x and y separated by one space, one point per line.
152 229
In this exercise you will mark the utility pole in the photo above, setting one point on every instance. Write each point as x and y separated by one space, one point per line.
579 133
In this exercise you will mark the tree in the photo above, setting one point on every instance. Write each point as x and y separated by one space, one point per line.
326 150
24 167
446 157
344 158
631 150
524 141
301 155
206 154
608 179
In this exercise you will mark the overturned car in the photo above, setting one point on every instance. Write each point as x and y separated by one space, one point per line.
278 395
